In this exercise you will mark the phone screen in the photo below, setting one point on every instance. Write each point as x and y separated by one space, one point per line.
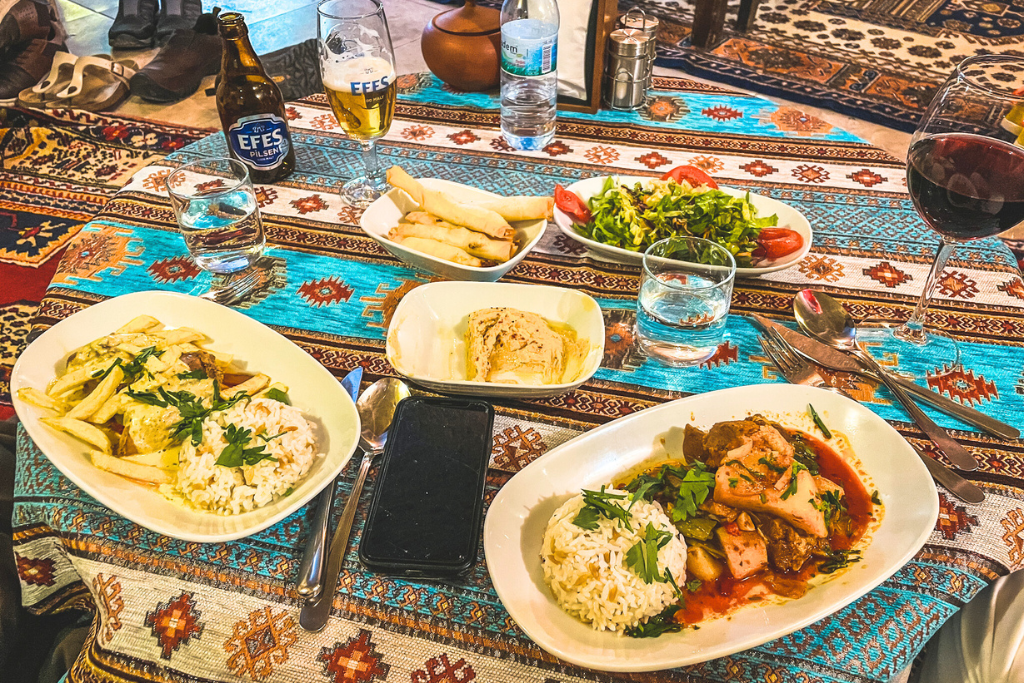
428 498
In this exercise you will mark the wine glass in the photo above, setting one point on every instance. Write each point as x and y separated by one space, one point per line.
966 179
357 64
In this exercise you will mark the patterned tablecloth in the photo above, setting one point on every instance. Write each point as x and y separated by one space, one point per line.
175 611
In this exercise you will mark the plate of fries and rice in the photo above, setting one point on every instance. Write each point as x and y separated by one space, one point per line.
453 230
186 417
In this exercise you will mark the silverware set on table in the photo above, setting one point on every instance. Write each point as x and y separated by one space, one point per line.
832 344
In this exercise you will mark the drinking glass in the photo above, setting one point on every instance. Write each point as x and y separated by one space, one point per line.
685 290
966 179
357 64
217 214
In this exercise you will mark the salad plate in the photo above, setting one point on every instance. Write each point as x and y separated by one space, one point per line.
788 217
517 519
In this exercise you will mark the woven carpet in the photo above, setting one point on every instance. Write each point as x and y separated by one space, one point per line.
57 170
879 60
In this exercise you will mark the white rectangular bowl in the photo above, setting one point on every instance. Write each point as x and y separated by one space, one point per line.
255 346
426 339
519 515
384 214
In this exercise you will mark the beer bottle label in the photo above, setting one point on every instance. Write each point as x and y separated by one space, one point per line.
529 47
261 142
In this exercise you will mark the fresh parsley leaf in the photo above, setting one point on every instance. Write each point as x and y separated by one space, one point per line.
819 422
198 373
587 518
288 492
663 622
874 498
733 481
601 503
642 558
148 398
694 586
693 490
278 395
832 504
675 586
641 492
235 454
268 439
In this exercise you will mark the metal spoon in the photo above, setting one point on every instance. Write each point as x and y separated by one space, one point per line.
376 410
824 318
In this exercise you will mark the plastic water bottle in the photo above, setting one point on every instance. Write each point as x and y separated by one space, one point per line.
529 53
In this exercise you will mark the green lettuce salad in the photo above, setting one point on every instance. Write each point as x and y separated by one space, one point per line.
635 218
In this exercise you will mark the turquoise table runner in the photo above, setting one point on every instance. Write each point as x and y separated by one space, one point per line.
174 611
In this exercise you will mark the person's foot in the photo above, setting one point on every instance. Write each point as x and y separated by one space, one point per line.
24 67
25 21
175 15
135 24
181 64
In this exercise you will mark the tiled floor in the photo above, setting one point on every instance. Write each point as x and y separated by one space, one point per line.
274 24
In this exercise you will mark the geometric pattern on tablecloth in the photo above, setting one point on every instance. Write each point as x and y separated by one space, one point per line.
427 632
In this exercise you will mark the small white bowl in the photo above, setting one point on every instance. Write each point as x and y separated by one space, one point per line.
766 206
384 214
426 339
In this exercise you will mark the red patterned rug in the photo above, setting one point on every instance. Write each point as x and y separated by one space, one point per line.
58 170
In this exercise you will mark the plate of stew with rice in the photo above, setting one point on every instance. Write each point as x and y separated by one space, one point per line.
705 526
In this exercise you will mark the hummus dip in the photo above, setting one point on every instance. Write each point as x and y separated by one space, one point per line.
509 346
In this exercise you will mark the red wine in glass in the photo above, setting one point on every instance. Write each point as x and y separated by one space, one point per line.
967 186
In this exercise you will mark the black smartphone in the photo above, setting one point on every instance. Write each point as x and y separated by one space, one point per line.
427 505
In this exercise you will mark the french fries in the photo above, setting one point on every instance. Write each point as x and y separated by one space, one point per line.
132 470
82 431
103 391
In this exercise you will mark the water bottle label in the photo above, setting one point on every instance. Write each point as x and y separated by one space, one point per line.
528 47
261 142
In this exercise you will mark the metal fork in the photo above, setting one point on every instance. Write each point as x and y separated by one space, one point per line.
236 290
792 365
796 370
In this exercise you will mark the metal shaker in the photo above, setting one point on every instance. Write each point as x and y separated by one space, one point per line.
627 69
636 18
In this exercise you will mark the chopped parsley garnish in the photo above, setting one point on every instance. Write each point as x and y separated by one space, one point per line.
277 395
147 397
838 559
791 489
819 422
101 374
693 490
733 481
772 465
764 498
198 373
663 622
642 558
235 454
597 504
134 369
694 586
268 439
675 586
874 498
832 504
804 455
641 492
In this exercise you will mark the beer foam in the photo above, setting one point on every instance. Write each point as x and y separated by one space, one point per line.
340 74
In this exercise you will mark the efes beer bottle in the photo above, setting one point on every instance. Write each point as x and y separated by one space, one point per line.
251 107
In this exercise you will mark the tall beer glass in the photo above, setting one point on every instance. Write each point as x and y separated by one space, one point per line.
358 68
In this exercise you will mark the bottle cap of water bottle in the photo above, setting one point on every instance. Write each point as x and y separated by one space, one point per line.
628 42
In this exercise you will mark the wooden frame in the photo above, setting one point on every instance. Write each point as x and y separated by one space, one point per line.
603 14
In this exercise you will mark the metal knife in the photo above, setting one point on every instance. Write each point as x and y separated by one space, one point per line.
841 362
310 579
954 483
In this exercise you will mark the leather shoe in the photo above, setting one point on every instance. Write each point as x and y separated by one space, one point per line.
25 21
135 24
177 15
24 67
179 67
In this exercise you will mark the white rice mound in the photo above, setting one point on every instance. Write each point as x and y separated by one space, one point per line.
231 490
586 572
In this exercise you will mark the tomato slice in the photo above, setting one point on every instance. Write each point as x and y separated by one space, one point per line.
570 204
692 175
778 242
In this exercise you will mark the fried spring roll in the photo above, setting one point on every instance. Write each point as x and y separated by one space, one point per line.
443 206
426 226
438 249
519 208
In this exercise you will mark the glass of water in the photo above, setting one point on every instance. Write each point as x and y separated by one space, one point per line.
217 214
684 297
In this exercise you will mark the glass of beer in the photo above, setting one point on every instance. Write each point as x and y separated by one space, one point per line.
357 64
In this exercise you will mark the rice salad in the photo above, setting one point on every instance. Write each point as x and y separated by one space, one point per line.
587 568
289 449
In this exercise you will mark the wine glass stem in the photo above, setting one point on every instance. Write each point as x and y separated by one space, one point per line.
370 162
913 330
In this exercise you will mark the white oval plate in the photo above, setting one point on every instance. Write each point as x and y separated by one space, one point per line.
255 346
520 512
426 339
384 214
766 206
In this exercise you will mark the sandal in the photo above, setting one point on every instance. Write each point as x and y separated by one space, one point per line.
98 83
44 93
